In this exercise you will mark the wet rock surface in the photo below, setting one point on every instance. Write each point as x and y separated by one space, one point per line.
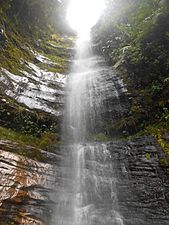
38 89
31 104
110 93
25 185
142 185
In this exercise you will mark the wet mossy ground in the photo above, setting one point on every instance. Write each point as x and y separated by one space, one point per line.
16 51
59 50
42 142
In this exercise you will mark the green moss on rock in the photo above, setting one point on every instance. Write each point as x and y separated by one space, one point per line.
25 139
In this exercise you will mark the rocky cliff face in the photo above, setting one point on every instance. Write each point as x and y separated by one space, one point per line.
142 184
24 185
32 79
126 36
139 165
31 104
31 109
33 72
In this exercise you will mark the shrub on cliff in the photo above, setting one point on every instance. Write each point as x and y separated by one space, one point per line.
134 38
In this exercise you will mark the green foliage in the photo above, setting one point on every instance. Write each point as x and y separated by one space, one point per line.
24 139
101 137
165 115
148 156
19 119
27 145
135 40
14 47
164 162
33 17
158 131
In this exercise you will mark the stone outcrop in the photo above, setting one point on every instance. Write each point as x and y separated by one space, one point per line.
24 185
31 105
142 184
35 87
27 185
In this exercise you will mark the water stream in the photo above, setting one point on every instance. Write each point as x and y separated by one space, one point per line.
87 189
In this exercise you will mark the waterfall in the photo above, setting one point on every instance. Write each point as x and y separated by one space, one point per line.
87 190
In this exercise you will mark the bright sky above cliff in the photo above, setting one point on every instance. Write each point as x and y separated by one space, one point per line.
83 14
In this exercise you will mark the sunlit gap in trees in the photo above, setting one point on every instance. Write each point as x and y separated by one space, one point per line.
82 15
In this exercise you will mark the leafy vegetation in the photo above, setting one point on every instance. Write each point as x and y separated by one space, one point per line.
101 137
21 119
24 139
27 25
161 134
36 18
133 36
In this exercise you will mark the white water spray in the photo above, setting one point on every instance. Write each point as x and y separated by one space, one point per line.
87 193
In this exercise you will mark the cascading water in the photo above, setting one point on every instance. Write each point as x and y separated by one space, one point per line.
87 187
